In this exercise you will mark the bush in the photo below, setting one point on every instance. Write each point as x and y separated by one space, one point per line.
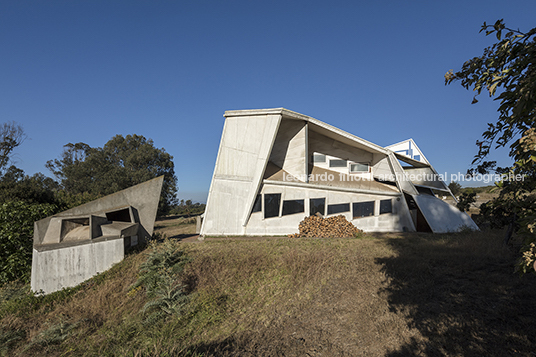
465 201
16 237
160 275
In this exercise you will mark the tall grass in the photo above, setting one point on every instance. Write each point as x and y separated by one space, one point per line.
380 295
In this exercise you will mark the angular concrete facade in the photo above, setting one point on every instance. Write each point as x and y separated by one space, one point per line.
72 246
275 167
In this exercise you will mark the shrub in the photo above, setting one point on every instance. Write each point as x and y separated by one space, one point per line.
160 275
16 237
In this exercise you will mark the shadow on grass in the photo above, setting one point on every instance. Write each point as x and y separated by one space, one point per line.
459 291
271 343
185 236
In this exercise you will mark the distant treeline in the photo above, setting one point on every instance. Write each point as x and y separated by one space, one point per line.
188 208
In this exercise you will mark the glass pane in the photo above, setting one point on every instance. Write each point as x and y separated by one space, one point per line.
271 205
319 158
363 209
338 208
293 206
257 204
337 163
386 206
359 167
317 205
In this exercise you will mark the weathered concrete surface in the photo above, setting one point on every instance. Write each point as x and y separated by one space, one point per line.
261 148
245 147
76 244
55 269
442 217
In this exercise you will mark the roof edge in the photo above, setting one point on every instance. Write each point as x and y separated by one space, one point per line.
282 111
289 114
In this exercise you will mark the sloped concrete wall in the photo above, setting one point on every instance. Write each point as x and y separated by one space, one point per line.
245 147
322 144
442 217
55 269
289 148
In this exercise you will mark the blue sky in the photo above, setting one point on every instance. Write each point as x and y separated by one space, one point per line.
84 71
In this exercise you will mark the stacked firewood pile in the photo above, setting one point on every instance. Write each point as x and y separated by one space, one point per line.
332 227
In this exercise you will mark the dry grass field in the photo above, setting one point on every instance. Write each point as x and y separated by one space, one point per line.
377 295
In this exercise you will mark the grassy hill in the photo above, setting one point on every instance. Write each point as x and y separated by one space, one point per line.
379 295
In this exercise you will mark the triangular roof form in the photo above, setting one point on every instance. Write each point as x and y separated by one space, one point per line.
261 149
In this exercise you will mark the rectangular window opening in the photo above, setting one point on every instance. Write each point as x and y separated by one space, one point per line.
317 205
386 206
363 209
272 201
338 163
293 206
359 167
319 158
338 208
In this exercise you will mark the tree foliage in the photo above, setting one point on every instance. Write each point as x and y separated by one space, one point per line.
455 188
121 163
16 186
188 208
509 66
11 136
466 200
507 71
16 237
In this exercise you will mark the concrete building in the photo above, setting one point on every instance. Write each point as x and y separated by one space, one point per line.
276 166
72 246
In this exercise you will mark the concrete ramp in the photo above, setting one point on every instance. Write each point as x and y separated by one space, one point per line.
442 217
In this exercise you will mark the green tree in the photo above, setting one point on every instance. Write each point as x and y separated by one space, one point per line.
16 237
466 200
121 163
11 136
507 71
455 188
16 186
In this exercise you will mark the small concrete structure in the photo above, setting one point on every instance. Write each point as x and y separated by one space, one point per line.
72 246
275 167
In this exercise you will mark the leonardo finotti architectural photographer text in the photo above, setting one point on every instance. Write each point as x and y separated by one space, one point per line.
421 177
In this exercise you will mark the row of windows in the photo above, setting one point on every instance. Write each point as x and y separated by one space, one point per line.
272 202
354 167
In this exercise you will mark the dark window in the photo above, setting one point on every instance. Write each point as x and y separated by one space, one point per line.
271 204
317 205
122 215
319 158
386 206
337 163
257 205
359 168
363 209
338 208
293 206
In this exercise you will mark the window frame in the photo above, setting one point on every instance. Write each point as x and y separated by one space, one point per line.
289 202
339 161
390 206
311 206
268 201
340 205
358 172
366 209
